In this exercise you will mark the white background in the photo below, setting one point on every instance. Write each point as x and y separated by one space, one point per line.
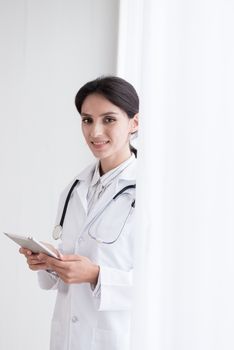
180 57
49 49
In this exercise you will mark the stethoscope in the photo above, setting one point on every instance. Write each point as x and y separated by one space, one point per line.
57 232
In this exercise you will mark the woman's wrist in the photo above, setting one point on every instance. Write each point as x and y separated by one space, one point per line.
94 274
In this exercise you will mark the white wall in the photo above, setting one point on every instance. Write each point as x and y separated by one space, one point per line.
49 48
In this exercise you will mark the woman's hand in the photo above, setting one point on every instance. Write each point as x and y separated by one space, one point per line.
72 268
32 259
34 263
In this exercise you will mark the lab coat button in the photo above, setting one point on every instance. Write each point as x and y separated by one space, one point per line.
74 319
81 239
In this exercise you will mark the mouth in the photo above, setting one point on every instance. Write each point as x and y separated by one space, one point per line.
99 144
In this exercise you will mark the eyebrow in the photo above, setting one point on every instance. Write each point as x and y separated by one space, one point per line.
101 115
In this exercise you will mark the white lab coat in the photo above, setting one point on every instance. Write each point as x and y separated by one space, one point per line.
88 318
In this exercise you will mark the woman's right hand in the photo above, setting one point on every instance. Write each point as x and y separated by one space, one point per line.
32 260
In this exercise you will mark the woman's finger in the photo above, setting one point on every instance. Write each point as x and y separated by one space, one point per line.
75 257
52 262
37 267
34 260
25 251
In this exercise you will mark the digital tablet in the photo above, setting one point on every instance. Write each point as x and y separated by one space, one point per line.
31 244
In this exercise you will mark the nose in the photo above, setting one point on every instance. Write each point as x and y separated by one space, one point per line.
96 129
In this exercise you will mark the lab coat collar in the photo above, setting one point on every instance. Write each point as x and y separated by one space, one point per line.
127 177
128 174
110 175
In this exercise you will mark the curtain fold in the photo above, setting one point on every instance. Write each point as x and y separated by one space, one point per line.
180 56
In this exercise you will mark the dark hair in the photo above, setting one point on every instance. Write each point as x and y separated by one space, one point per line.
117 90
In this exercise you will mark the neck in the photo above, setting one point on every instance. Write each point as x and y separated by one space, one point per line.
108 164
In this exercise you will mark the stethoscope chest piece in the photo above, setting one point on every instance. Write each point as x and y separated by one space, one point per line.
57 232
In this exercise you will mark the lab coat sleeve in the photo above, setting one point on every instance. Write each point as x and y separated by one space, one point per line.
47 280
114 288
113 291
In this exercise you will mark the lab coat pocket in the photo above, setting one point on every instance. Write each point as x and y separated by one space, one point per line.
103 339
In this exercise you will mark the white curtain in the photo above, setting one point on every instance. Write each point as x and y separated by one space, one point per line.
179 55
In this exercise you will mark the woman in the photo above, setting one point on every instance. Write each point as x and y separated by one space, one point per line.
93 277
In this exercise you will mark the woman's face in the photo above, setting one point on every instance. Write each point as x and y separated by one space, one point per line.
106 128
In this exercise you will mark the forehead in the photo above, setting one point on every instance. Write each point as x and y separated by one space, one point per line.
96 104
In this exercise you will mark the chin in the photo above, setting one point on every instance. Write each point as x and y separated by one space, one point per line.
100 155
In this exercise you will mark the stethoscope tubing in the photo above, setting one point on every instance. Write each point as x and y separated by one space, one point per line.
60 226
67 201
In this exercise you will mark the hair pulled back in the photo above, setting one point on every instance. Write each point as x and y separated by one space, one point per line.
117 90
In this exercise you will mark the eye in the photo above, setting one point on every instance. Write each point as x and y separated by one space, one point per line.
109 120
87 120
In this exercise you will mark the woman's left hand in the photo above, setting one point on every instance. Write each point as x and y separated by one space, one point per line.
73 268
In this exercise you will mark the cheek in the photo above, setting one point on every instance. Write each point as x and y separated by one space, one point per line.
84 131
123 132
121 137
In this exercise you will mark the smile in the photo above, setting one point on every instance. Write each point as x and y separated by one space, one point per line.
100 143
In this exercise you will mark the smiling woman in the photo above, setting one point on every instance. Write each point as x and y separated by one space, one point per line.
115 102
93 277
107 133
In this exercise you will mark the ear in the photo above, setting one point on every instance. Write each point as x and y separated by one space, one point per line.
134 123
